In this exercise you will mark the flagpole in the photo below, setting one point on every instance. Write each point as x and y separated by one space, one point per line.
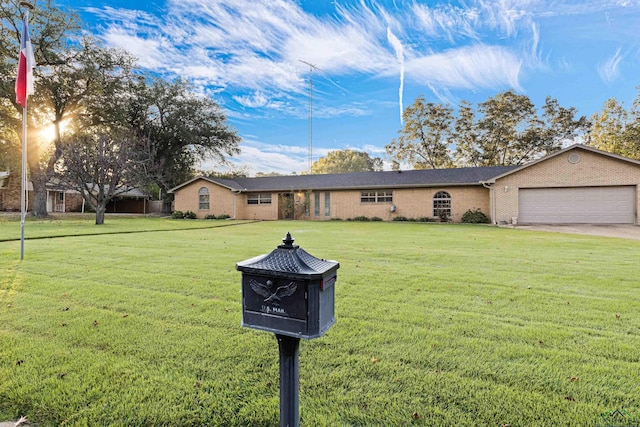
25 189
24 87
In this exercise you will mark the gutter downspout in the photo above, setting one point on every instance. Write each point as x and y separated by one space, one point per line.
235 196
492 200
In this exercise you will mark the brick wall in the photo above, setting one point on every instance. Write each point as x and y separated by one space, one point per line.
10 195
593 169
410 203
220 199
73 202
343 204
257 212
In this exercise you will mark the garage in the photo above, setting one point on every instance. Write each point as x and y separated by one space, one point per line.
577 205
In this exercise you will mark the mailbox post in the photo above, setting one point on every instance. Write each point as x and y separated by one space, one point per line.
291 293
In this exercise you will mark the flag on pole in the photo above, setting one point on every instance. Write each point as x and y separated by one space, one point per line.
26 63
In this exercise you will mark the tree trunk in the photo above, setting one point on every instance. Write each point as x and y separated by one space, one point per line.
37 176
100 215
167 203
39 201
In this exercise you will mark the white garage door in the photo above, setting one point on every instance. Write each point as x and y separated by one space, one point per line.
577 205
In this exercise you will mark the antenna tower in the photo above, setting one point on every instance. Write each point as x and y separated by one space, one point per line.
311 68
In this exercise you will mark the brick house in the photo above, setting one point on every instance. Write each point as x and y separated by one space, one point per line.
58 200
576 185
63 200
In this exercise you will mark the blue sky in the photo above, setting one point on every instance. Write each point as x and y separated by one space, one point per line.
373 59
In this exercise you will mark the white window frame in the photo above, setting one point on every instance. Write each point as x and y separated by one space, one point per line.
377 196
204 199
258 199
316 203
327 204
442 202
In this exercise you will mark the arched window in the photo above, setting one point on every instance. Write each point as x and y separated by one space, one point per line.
203 198
442 205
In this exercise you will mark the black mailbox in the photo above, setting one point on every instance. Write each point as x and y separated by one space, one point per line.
288 292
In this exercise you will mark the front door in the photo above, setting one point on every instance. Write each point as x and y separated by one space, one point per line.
286 206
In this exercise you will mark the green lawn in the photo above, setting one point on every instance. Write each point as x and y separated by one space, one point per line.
84 224
437 325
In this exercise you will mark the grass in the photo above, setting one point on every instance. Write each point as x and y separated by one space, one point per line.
65 225
437 325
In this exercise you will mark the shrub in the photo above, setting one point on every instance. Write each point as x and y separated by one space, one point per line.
361 218
189 215
223 216
400 218
475 217
442 214
210 216
376 218
425 219
177 215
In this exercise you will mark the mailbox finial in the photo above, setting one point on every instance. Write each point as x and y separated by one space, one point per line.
287 242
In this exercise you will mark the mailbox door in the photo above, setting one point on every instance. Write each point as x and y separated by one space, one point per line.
275 305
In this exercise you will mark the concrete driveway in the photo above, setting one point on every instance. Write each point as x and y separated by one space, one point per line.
625 231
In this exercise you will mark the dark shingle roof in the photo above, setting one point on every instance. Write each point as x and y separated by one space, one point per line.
364 180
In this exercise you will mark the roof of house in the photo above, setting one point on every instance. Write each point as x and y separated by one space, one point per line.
360 180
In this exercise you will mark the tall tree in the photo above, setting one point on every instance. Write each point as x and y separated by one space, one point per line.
631 147
505 130
88 89
183 129
87 86
100 167
426 136
514 133
51 32
560 125
467 137
509 130
9 140
340 161
617 130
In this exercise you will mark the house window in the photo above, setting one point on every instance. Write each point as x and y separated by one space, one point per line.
258 199
203 199
381 196
61 197
316 203
327 204
307 204
442 204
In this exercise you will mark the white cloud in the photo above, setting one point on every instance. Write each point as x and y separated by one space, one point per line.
535 52
257 45
260 157
126 17
505 15
257 156
610 69
471 67
352 110
397 46
148 51
258 99
447 21
373 149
